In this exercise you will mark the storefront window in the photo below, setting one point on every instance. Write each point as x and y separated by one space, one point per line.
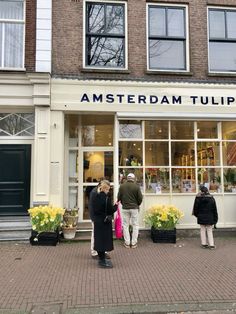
230 180
208 153
73 166
229 153
182 130
157 180
130 129
183 180
97 130
73 131
156 129
98 166
229 130
182 154
166 161
156 154
207 129
73 197
130 154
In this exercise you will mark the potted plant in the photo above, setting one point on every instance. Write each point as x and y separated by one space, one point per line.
69 225
45 221
163 220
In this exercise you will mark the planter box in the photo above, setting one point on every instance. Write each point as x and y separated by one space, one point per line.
163 236
44 238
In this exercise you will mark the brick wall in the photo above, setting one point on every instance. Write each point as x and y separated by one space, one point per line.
68 41
30 35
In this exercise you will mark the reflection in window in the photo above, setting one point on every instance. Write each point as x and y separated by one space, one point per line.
156 130
105 35
229 153
97 130
167 38
207 129
182 130
16 124
138 172
230 180
130 154
229 130
73 197
222 40
130 129
156 153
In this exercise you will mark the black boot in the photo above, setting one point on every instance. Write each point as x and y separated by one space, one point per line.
104 263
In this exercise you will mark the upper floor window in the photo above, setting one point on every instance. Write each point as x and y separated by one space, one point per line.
167 38
222 40
105 35
11 34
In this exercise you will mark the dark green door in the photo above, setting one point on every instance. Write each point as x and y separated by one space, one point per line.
15 163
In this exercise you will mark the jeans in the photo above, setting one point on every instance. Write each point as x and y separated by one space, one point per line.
206 233
130 217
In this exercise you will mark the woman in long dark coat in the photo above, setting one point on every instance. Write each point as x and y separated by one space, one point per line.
206 212
101 209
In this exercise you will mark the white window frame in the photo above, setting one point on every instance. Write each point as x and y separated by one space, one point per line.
3 21
208 38
126 37
187 37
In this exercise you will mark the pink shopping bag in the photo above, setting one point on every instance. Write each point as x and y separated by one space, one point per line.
118 223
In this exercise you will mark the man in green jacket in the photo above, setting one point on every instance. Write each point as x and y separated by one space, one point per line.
130 197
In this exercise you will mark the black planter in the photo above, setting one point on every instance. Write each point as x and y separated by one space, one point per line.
44 238
163 236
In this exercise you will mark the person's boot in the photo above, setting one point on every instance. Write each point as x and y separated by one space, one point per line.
104 263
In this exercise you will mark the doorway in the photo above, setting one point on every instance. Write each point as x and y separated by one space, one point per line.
15 170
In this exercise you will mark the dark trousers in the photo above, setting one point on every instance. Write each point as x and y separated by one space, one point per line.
101 255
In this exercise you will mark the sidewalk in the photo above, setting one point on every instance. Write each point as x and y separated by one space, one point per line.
154 278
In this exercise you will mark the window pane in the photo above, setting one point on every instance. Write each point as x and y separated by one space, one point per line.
230 180
182 154
1 25
97 166
97 130
211 178
11 10
130 129
73 166
138 172
217 24
207 129
13 56
183 180
182 130
156 129
217 50
231 24
229 153
156 153
175 22
167 54
157 180
73 197
208 154
157 22
104 51
16 124
115 19
130 154
95 13
229 130
73 130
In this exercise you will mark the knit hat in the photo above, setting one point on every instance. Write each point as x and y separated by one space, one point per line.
131 177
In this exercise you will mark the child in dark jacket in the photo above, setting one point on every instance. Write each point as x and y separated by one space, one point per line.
206 212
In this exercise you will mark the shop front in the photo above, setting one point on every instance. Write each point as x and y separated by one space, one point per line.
172 136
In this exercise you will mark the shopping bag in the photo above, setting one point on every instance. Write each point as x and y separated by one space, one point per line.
118 223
